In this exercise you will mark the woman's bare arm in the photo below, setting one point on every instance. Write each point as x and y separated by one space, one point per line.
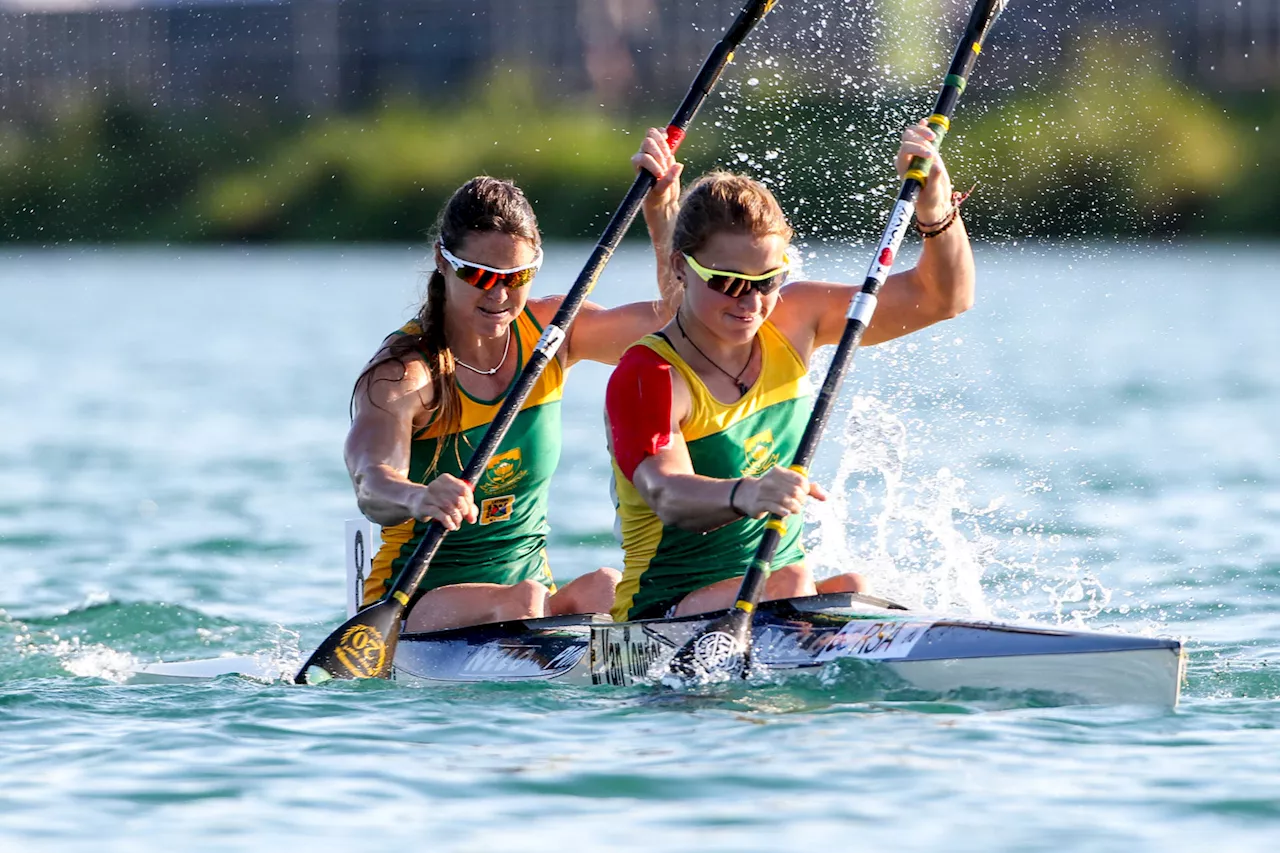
390 401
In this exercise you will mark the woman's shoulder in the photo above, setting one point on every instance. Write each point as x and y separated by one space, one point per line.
395 372
642 356
544 308
646 372
809 298
803 308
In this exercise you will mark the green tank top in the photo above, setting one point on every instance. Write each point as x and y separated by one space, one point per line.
508 543
745 438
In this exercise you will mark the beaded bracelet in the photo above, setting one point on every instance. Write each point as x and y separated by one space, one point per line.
945 223
933 229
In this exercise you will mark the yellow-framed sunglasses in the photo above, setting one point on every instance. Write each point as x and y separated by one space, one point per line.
735 284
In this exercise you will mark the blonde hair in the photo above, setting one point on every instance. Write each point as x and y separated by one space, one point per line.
724 201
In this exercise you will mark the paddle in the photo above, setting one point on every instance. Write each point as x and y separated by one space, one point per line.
364 645
724 645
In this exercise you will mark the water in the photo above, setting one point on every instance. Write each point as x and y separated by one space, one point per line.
1093 444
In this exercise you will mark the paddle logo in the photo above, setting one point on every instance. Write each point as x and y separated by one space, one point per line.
503 472
898 222
362 650
717 651
760 455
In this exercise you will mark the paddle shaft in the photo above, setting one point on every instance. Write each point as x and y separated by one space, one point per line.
713 646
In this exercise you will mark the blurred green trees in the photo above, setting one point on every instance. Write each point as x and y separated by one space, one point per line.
1112 145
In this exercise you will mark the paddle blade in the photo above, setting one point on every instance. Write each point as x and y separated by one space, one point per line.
716 653
362 647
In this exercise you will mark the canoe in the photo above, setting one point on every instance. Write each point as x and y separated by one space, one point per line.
856 637
905 653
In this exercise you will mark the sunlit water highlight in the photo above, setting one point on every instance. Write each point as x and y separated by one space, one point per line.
1094 444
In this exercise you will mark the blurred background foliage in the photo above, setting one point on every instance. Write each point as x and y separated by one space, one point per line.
1110 143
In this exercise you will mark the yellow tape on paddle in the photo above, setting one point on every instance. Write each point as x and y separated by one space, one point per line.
401 597
777 525
745 606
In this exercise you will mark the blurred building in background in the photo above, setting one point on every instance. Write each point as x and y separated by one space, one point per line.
307 56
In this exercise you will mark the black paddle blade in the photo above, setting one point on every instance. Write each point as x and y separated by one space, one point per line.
717 652
361 648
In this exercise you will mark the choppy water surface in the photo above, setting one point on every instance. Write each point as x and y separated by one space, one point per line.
1094 444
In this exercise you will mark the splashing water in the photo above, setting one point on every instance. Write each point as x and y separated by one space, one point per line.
910 545
110 640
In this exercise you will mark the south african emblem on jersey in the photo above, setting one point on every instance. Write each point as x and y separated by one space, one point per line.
363 651
496 509
503 472
760 455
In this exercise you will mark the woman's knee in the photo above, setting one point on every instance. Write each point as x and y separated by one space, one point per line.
596 589
589 593
847 582
524 600
606 577
790 582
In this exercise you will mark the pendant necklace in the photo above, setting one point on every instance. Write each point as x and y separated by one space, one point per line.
737 380
505 352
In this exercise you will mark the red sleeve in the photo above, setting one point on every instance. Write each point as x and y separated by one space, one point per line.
638 402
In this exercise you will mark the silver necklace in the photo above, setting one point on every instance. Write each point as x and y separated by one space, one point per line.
505 352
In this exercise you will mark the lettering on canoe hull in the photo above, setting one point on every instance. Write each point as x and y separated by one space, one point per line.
807 645
623 656
889 640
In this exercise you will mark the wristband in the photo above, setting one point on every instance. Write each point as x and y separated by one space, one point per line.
733 492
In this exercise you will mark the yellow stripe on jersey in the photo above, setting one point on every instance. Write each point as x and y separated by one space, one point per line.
783 376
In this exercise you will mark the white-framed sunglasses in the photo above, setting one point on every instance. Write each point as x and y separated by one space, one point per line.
487 278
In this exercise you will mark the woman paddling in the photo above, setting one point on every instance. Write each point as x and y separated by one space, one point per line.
429 393
706 414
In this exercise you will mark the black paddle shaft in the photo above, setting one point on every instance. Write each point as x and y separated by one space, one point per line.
364 646
709 650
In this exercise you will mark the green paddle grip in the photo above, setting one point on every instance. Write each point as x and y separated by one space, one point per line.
919 168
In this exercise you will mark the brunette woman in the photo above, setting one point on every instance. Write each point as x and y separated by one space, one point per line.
433 387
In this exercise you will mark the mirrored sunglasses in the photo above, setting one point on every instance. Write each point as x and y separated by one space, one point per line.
735 284
487 278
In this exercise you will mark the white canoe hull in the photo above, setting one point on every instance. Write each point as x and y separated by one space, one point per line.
933 656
